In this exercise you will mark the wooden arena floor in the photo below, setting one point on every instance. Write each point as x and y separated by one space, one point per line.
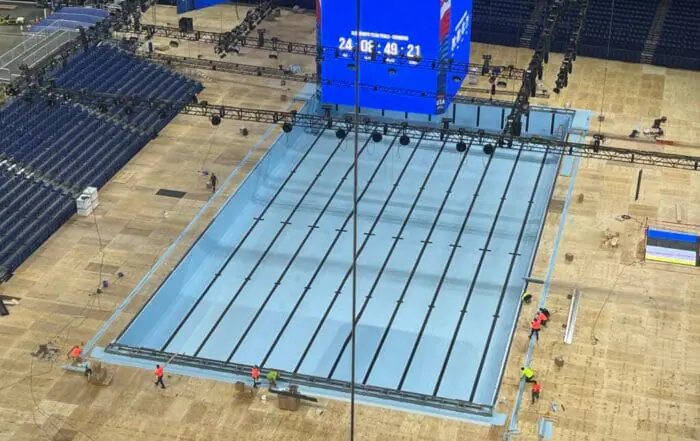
633 371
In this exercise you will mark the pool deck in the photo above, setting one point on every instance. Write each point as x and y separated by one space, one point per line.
633 367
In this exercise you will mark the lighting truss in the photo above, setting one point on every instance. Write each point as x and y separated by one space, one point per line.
535 69
390 128
321 52
283 74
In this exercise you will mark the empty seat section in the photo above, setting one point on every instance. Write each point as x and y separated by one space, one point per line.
61 145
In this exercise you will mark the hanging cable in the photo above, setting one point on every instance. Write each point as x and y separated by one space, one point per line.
605 72
354 226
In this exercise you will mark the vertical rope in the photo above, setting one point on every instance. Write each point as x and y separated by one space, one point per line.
358 48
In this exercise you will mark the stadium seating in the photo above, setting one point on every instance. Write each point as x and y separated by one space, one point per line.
120 72
679 45
52 149
502 22
30 211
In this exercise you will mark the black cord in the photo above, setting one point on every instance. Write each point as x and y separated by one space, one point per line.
594 339
354 225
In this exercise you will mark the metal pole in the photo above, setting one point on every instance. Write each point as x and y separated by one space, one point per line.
358 48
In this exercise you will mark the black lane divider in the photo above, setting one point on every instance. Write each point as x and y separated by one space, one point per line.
416 264
369 234
445 270
330 249
479 265
396 238
243 240
286 269
513 259
285 223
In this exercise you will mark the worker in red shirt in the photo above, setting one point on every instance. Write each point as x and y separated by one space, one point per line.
159 376
535 327
536 389
255 373
542 317
75 353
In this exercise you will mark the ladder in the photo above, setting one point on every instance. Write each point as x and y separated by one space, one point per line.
533 23
655 32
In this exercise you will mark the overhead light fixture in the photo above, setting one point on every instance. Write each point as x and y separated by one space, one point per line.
287 127
340 133
404 140
215 120
461 146
489 149
376 136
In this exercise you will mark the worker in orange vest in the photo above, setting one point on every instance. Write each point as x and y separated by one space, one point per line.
75 353
536 389
159 376
255 373
542 317
535 327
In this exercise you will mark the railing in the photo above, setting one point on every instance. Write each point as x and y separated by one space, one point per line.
35 48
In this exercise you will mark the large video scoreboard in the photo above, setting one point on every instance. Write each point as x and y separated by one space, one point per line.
403 45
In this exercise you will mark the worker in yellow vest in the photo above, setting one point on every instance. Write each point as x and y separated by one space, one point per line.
528 374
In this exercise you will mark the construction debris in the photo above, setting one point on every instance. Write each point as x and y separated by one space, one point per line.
611 238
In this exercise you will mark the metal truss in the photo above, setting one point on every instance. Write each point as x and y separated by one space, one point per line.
274 44
286 75
306 380
389 128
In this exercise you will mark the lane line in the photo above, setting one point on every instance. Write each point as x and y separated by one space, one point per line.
330 249
479 265
258 219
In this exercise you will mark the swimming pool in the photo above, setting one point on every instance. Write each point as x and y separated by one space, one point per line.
445 241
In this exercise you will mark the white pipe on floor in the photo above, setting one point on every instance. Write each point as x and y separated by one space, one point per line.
573 312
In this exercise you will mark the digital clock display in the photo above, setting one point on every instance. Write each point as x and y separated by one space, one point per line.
401 45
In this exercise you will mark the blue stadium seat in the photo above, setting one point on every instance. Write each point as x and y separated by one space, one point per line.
70 145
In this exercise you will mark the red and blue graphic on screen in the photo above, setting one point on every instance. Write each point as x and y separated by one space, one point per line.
393 32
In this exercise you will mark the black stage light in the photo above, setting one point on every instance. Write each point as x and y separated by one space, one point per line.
215 120
461 146
404 139
287 127
340 133
376 136
489 149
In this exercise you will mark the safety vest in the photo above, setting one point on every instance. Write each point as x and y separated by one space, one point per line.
159 372
75 352
536 324
536 387
542 317
528 373
255 373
